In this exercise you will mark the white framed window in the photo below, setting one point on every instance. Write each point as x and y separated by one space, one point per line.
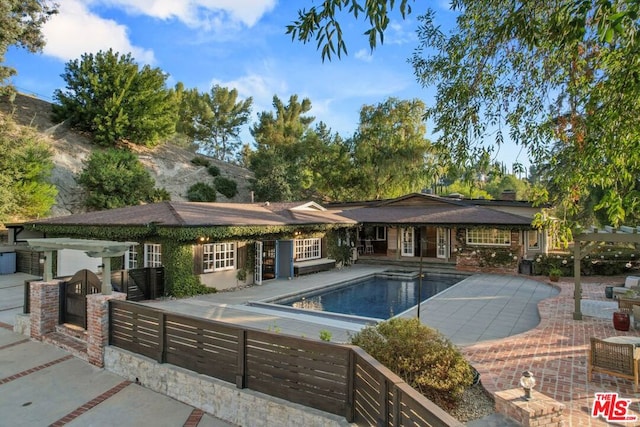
131 258
152 255
533 240
379 233
488 237
306 249
219 257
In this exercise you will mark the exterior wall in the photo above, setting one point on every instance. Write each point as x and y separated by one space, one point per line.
392 241
223 279
490 258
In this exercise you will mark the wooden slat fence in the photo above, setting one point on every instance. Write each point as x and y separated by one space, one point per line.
339 379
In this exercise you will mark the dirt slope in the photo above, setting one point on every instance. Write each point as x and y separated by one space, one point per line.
169 165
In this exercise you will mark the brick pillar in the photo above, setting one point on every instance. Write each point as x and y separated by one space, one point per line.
541 410
45 306
98 325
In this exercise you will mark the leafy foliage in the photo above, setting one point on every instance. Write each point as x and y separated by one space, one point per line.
421 356
389 149
226 186
322 23
25 168
213 120
115 178
108 95
555 76
201 192
280 149
201 161
213 170
21 22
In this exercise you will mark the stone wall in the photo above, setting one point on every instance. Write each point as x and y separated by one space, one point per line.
223 400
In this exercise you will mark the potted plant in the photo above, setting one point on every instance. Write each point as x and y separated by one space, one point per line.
554 274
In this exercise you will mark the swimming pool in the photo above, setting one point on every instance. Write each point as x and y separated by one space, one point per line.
379 296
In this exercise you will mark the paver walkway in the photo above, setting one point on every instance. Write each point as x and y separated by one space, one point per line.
556 352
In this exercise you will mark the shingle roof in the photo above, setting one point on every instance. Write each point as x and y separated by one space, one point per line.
193 214
444 215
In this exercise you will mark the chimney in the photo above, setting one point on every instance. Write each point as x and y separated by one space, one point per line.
508 195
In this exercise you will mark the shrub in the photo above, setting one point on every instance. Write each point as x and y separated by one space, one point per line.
227 187
421 356
200 161
160 195
213 170
201 192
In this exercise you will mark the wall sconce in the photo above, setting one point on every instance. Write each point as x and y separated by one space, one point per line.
42 259
527 382
297 233
100 268
203 239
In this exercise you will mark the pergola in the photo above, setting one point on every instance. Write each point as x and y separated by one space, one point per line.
591 237
104 249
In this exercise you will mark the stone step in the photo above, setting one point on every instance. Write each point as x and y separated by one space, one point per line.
75 346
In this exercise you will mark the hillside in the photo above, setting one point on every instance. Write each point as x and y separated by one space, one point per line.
169 165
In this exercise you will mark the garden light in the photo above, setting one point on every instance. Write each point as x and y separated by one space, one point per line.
527 382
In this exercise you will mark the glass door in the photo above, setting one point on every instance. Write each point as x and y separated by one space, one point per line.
408 235
257 269
443 243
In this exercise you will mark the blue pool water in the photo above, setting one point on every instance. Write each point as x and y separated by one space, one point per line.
377 297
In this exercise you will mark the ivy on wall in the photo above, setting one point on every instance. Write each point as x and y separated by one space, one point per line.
177 245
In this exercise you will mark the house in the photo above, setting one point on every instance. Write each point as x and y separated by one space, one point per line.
474 234
220 244
223 245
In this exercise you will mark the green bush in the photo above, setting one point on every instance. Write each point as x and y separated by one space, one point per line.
201 192
604 260
227 187
200 161
421 356
160 195
213 170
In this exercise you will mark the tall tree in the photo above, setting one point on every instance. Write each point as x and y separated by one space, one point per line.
214 120
21 22
566 93
25 168
110 96
279 153
390 149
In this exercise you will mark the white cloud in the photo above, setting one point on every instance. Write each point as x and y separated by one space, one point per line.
75 31
261 87
364 55
199 13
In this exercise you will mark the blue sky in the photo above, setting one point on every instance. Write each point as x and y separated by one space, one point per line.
238 44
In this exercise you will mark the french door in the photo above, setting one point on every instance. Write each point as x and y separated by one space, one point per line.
442 238
257 269
408 236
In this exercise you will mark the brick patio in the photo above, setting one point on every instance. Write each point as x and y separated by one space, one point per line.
556 352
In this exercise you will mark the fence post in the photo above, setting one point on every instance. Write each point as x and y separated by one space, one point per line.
383 401
351 390
26 307
241 374
162 321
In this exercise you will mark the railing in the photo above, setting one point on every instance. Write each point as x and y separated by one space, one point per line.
339 379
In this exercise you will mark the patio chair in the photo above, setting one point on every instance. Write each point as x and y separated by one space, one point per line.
613 359
368 247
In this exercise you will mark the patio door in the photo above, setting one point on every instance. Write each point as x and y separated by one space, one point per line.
442 239
408 237
257 269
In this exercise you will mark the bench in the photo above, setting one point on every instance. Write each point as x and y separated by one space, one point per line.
614 358
631 283
313 266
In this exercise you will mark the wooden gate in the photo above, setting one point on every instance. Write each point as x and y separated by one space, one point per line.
73 297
